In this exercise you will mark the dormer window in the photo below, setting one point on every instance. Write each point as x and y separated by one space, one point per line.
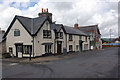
59 35
17 32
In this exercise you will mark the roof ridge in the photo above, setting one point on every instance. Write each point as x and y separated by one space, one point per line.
23 16
88 26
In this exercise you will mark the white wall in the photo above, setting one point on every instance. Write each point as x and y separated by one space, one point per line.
38 48
76 42
63 41
24 37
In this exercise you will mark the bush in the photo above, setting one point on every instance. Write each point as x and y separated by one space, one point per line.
6 55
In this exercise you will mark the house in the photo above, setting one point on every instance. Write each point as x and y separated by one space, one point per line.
117 40
95 36
32 37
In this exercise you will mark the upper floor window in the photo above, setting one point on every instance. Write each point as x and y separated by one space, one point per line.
80 37
17 32
46 34
70 37
59 35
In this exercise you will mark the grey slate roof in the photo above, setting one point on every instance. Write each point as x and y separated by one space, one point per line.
72 30
56 27
32 24
86 29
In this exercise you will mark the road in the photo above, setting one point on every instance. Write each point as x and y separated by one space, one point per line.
95 64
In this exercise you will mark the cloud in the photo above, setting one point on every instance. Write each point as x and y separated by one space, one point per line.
87 12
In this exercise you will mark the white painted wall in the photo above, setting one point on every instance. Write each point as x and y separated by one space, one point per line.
63 41
24 37
38 48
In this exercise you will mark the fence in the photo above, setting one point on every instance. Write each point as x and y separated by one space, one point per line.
111 45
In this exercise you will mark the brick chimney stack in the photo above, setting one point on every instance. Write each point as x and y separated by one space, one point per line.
76 25
42 10
44 13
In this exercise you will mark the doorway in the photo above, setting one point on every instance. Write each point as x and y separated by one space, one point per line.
19 50
59 47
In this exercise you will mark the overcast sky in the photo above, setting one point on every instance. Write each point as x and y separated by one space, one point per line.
67 12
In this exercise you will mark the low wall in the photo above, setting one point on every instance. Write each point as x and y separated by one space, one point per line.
105 46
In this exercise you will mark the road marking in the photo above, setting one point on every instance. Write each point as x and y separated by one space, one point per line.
12 64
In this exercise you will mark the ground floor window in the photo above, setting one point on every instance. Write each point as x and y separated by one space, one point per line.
70 48
27 49
47 48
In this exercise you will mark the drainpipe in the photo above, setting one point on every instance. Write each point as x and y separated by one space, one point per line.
66 42
55 42
33 46
31 34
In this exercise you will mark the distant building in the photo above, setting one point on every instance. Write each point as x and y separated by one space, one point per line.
95 36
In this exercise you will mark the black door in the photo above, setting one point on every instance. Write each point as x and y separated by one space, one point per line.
80 44
59 47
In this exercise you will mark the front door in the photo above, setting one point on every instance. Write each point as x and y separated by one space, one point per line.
59 47
19 50
80 45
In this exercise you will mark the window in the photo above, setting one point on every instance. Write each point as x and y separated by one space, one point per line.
80 37
47 48
70 48
70 37
27 49
46 34
59 35
17 32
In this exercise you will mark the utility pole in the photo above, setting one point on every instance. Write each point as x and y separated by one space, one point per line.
110 35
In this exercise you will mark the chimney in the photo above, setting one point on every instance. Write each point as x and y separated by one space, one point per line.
42 10
76 25
44 13
47 9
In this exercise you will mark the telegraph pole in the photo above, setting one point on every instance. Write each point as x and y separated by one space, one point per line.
110 35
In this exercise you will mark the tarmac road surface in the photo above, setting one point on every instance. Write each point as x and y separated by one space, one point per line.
95 64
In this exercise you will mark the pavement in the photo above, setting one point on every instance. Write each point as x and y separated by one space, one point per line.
46 58
92 64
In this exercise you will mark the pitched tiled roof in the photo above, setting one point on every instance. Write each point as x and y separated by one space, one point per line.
32 25
72 30
87 29
67 29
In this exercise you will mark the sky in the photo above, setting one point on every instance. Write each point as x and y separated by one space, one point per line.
67 12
